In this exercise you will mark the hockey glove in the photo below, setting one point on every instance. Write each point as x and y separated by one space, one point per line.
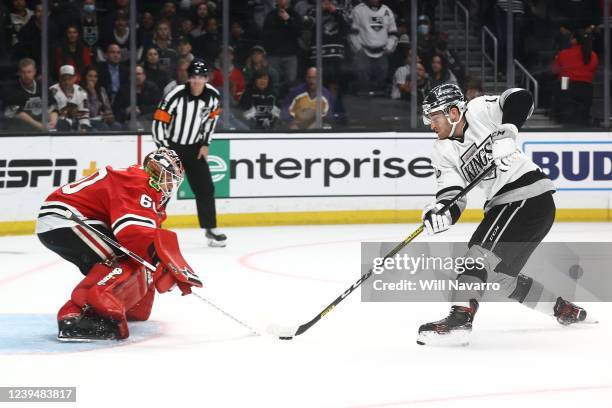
166 278
504 153
435 223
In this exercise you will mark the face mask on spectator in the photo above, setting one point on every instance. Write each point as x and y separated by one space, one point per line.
89 8
423 29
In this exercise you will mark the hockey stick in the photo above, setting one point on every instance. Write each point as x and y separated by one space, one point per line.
70 215
287 333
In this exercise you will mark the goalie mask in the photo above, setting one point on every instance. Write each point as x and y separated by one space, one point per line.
441 99
165 170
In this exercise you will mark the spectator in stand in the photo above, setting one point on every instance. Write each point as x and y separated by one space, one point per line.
473 88
152 69
146 29
202 14
281 31
335 30
147 97
259 103
184 49
258 62
373 37
185 29
452 60
113 76
428 39
168 13
241 45
440 74
402 86
30 37
23 100
19 16
120 35
89 25
101 114
121 7
65 13
72 51
162 40
575 68
208 45
236 84
300 105
180 77
70 101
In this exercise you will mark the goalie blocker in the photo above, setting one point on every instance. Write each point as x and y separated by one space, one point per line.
120 290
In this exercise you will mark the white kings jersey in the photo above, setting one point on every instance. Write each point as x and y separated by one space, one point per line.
458 161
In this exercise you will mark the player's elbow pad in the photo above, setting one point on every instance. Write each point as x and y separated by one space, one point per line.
517 106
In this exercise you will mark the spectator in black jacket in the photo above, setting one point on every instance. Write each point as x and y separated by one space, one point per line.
281 31
30 37
147 97
151 66
258 102
335 30
208 46
113 76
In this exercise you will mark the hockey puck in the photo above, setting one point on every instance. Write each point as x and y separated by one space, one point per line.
285 338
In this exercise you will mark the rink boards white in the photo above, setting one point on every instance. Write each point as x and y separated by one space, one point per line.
314 178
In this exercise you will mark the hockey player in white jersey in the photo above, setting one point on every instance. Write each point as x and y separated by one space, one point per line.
519 210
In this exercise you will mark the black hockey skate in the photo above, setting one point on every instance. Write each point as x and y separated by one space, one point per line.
568 313
454 330
87 327
215 238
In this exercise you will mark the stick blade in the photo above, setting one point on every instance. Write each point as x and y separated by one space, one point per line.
282 332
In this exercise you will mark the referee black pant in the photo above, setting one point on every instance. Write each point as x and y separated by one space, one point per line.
200 180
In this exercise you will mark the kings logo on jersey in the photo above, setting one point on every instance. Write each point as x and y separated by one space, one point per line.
476 159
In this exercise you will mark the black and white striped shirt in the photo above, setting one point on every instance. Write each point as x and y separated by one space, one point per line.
185 119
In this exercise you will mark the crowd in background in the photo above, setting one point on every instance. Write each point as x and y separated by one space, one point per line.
272 79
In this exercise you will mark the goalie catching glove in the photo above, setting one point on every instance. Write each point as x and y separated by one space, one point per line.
172 270
433 221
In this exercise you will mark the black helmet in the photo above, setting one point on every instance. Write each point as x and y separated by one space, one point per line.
198 67
442 98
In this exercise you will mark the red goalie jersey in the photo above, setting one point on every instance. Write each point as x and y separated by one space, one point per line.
121 201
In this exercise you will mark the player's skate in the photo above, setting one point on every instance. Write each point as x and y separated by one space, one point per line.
568 313
453 330
87 327
216 238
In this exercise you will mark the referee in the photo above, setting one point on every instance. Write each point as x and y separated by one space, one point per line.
185 121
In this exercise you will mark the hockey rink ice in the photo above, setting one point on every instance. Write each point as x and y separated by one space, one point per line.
362 355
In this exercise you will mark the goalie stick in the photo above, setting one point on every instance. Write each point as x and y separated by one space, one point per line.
287 333
69 215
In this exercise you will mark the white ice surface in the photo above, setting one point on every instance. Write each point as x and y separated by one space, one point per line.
360 355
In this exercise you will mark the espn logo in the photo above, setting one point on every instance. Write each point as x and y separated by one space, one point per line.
21 173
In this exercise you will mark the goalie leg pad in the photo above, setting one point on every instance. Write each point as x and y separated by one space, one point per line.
142 310
117 288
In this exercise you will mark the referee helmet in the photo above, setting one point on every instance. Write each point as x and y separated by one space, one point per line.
198 67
